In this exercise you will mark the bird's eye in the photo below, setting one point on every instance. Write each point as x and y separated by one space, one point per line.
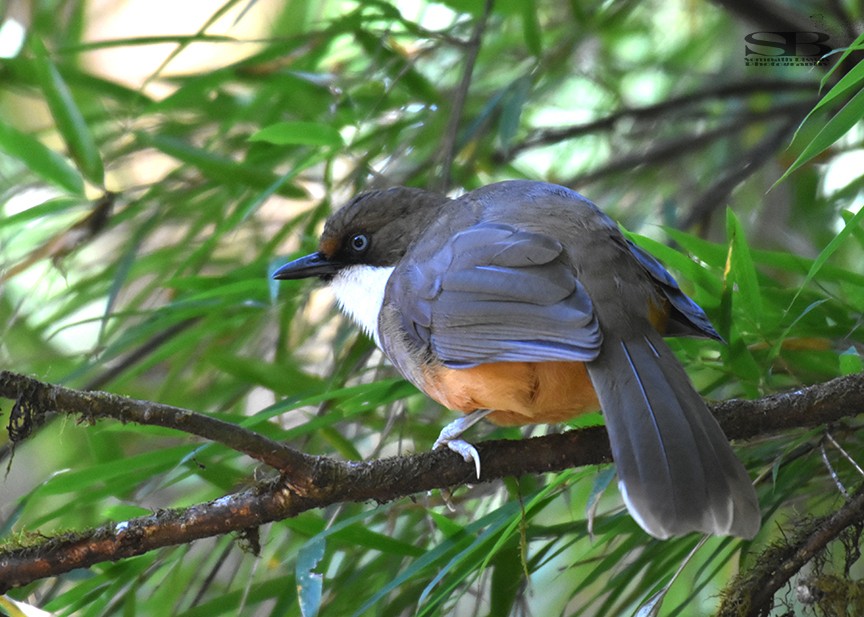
359 243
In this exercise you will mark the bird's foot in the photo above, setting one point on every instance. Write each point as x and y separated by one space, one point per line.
450 437
463 449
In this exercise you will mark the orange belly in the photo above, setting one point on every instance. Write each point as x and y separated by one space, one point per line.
519 392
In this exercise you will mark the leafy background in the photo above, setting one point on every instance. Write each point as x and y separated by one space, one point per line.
158 161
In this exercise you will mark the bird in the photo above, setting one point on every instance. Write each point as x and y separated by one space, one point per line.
521 302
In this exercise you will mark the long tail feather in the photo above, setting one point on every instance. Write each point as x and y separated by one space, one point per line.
676 470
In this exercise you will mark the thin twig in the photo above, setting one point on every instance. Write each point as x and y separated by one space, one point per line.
768 14
37 399
778 564
750 162
111 373
448 143
832 472
548 136
844 453
685 145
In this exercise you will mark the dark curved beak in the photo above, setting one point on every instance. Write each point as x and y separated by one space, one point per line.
315 264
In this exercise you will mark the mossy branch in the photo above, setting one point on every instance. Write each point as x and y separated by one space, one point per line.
308 482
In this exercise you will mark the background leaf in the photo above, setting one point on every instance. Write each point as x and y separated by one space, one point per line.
40 160
156 167
70 121
302 133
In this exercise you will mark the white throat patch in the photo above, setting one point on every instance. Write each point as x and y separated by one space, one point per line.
360 293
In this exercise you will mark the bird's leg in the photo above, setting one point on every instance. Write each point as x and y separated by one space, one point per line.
450 437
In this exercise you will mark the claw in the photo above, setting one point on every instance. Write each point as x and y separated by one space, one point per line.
466 451
450 437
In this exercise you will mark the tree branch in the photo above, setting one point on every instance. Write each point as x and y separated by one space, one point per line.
752 593
768 14
110 373
448 144
749 162
34 400
548 136
313 482
686 144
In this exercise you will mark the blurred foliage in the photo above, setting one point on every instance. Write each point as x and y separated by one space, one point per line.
141 213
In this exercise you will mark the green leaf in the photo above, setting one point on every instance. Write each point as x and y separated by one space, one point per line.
446 525
406 74
344 446
511 110
507 577
299 133
40 159
740 268
220 168
848 229
70 122
20 609
857 231
851 80
856 45
457 543
651 607
536 502
51 208
277 377
477 552
831 132
531 29
125 43
138 466
778 343
847 84
851 362
360 535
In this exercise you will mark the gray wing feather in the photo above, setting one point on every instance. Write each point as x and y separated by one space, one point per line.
687 317
496 294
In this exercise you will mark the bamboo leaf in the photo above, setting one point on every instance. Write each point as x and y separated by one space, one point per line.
40 159
740 268
831 132
299 133
220 168
849 229
531 27
68 117
856 45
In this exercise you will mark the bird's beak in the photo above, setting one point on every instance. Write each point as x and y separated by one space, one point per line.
315 264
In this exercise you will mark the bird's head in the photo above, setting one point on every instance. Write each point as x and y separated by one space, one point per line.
374 229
